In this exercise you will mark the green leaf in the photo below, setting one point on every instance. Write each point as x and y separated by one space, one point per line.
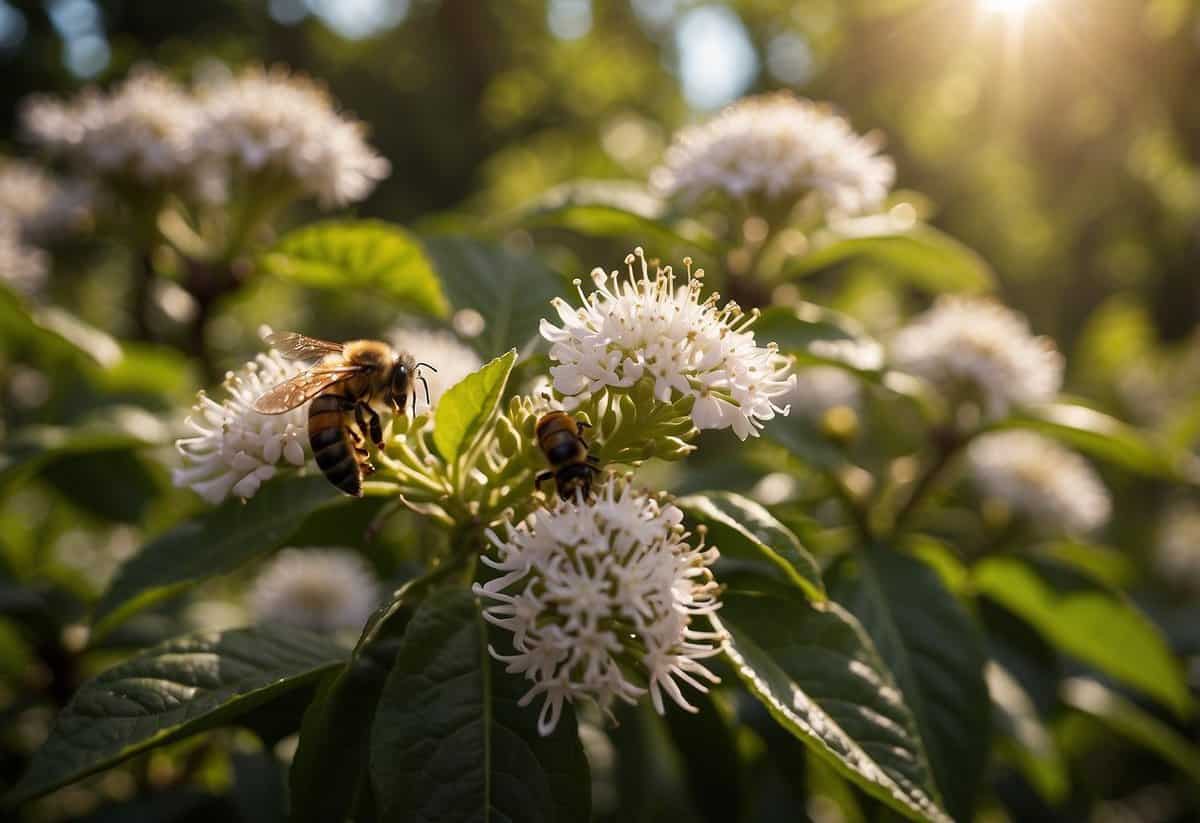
937 653
331 759
749 537
449 741
114 485
1097 434
465 409
1024 738
330 765
820 336
510 291
174 690
52 335
214 543
615 208
926 257
1127 719
368 254
818 673
115 429
1088 621
707 747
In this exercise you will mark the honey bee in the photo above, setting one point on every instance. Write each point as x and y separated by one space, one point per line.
345 387
559 438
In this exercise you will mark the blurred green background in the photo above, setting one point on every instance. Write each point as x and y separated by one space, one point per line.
1059 140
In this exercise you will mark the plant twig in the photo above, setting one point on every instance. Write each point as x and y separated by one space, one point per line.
947 444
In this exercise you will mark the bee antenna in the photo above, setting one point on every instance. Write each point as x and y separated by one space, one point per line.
426 365
425 383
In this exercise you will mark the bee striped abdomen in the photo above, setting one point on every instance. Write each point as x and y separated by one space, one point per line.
331 444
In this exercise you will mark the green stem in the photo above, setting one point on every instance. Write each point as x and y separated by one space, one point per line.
947 444
858 513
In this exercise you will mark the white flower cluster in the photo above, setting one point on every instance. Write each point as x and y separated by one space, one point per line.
141 131
777 146
642 326
454 359
1177 555
977 350
271 123
1053 486
322 590
593 590
22 267
39 204
150 131
821 388
234 448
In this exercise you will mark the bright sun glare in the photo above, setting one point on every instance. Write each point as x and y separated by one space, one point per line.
1007 6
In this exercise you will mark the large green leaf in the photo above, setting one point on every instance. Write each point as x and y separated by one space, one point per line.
117 485
214 543
1103 437
330 766
818 673
331 759
937 653
116 429
510 291
818 335
1088 621
924 256
750 538
449 741
1127 719
52 335
171 691
366 254
466 407
707 745
614 208
1024 738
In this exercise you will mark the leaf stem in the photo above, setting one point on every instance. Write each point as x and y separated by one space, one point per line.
858 513
947 442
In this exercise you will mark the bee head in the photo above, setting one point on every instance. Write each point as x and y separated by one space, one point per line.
399 387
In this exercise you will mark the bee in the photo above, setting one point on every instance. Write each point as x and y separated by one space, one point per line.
572 468
345 386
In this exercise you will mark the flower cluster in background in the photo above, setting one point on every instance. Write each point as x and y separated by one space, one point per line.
1177 551
655 328
22 267
1033 476
778 147
269 130
323 590
588 588
35 210
977 351
820 389
270 124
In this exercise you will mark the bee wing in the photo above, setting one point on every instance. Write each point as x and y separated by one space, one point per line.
296 346
302 388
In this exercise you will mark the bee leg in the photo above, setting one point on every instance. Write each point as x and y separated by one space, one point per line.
375 427
363 454
581 426
366 430
542 478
